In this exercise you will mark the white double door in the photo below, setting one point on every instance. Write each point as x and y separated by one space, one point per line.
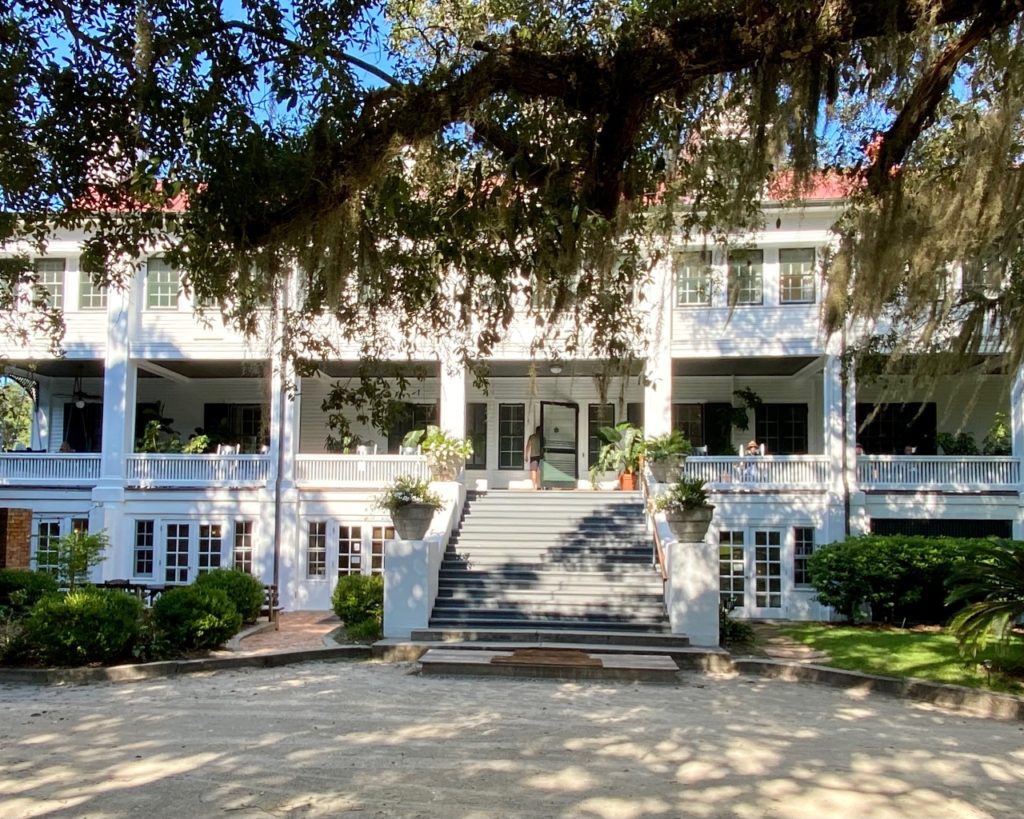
750 571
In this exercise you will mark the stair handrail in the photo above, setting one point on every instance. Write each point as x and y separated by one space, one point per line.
659 549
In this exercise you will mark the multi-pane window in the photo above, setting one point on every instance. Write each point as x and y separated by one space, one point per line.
414 416
803 548
316 549
210 538
80 525
688 419
350 550
50 281
47 535
378 535
90 296
746 268
693 278
731 569
635 413
476 432
142 558
162 284
511 428
796 276
598 415
768 569
241 557
782 428
176 564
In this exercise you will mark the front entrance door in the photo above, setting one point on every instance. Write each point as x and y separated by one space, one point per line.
750 571
559 423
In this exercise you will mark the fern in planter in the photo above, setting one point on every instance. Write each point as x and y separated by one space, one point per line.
622 450
666 453
445 453
685 494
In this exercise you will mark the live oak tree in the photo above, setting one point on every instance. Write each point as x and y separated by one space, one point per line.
429 165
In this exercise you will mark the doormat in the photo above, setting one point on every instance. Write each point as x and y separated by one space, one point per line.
573 657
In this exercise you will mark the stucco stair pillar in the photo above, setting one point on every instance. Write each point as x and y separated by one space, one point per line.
452 414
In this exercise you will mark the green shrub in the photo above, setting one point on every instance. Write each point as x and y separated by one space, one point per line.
21 589
242 589
84 626
358 598
732 631
368 631
902 578
193 617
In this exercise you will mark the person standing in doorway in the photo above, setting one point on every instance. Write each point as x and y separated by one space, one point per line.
531 453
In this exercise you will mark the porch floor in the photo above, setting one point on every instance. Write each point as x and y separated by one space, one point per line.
299 630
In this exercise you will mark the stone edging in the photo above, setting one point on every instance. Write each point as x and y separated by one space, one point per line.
971 700
235 643
172 668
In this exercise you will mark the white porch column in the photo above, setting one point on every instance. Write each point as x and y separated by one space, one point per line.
452 416
1017 438
658 372
836 445
41 421
859 522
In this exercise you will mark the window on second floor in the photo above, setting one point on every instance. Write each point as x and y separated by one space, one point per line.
476 431
693 278
50 280
746 279
796 276
90 296
688 419
782 428
162 284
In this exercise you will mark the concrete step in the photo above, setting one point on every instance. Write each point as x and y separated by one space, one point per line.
529 497
543 563
562 599
533 635
507 618
496 585
607 666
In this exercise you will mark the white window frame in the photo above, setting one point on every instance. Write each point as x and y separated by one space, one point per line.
692 275
160 276
746 277
66 524
50 278
787 269
90 297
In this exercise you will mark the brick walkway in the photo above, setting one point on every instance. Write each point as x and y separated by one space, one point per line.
299 630
778 646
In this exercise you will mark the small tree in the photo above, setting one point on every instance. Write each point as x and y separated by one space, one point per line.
74 555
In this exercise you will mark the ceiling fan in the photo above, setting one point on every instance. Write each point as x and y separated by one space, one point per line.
78 395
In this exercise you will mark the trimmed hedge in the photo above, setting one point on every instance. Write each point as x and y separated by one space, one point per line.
242 589
193 617
358 598
901 577
21 589
84 626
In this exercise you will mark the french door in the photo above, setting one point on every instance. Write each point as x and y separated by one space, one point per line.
750 571
559 424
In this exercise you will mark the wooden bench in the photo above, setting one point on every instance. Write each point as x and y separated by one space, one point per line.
271 606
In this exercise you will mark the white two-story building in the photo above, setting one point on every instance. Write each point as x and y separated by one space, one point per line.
271 499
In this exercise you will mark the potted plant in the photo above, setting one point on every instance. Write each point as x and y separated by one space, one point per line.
666 454
686 509
445 453
412 506
622 450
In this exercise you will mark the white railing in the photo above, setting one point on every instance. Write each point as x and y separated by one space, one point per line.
725 472
44 467
149 470
357 470
945 472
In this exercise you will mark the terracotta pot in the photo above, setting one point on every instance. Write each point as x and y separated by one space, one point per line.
412 520
627 481
690 525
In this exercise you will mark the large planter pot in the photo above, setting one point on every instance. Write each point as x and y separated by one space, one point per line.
412 520
690 525
667 469
627 481
446 470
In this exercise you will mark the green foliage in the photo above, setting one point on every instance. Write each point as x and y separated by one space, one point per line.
664 447
997 440
158 437
374 397
193 617
685 493
74 555
621 450
990 587
15 416
960 444
359 598
445 453
84 626
367 631
900 577
242 589
20 589
751 401
406 490
733 632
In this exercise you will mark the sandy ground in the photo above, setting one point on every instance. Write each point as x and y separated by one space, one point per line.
369 739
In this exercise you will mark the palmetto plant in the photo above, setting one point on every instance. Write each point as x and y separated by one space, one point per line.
991 583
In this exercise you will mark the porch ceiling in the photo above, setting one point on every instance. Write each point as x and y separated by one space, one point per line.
61 367
569 368
747 367
386 369
227 368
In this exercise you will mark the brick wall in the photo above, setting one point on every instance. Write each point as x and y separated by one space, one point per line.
15 538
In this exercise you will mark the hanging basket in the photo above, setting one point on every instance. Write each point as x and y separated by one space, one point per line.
412 520
690 525
667 470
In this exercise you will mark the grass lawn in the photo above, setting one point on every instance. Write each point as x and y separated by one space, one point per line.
930 654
